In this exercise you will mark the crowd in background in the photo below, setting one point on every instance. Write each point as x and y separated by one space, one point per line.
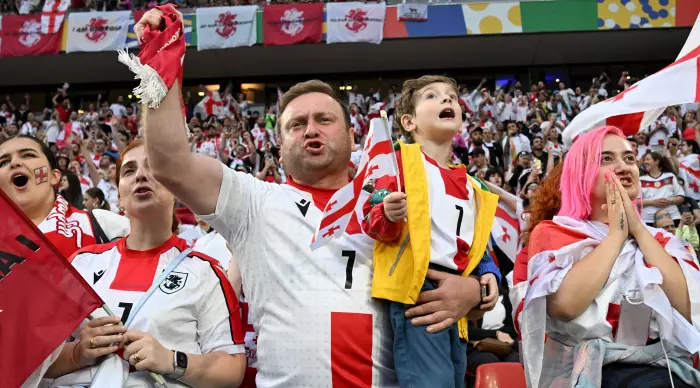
510 138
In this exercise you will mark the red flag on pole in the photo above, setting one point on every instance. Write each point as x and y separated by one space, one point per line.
292 23
42 297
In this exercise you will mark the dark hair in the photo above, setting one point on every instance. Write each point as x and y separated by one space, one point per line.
312 86
95 192
135 144
74 193
494 171
693 146
406 103
664 163
43 147
478 152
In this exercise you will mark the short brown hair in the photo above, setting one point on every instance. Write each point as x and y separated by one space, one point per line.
306 87
407 103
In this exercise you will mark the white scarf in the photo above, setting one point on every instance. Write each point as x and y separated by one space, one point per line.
547 269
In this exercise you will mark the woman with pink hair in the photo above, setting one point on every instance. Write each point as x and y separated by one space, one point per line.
618 301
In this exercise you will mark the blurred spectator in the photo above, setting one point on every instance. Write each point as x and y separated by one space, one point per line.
94 198
686 230
660 188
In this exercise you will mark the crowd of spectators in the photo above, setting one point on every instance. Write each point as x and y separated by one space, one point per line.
510 138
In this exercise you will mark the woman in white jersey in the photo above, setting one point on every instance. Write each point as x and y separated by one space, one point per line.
29 175
660 189
188 329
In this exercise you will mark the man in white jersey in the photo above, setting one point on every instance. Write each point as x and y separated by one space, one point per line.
317 325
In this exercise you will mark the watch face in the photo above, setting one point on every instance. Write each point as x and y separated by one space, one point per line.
181 360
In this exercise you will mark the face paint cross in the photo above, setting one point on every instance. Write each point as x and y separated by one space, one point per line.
41 175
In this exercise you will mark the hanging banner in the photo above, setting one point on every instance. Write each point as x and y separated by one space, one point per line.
97 31
226 27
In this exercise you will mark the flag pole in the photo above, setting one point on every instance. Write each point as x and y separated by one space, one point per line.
394 163
160 381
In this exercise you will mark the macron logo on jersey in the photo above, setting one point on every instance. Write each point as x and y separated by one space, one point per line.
303 206
97 276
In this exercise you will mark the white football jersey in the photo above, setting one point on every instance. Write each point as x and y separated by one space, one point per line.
194 310
317 324
452 215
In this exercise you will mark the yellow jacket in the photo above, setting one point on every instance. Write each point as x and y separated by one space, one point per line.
400 267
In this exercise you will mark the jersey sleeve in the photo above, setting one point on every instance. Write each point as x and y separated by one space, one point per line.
486 265
374 222
377 226
240 202
219 326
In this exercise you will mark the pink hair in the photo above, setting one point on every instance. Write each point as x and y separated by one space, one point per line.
580 170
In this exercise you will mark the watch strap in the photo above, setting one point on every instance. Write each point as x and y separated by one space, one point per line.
179 371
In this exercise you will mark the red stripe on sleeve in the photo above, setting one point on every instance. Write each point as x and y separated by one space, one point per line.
235 322
351 350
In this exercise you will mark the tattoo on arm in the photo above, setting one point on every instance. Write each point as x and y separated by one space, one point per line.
622 222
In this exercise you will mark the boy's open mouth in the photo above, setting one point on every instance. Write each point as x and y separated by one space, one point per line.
447 113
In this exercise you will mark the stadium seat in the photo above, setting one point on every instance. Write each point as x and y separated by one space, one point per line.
500 375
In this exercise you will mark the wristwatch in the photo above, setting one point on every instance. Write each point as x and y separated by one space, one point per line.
180 363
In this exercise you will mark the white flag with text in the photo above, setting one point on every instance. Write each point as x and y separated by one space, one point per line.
97 31
226 27
355 22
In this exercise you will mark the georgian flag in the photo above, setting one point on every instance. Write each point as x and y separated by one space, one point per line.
569 241
505 231
689 171
52 15
378 160
210 105
640 105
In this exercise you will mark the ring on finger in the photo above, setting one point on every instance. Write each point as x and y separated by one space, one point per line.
613 201
92 342
137 359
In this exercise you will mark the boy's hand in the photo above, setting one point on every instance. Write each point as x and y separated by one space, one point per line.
489 302
395 207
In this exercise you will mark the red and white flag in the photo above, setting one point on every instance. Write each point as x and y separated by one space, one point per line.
641 104
52 15
97 31
292 23
355 22
378 160
226 27
20 35
505 231
42 297
210 105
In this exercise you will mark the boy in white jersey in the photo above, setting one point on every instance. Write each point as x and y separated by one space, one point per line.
448 223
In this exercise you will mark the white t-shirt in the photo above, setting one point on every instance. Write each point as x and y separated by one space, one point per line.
312 310
111 192
205 148
51 128
194 310
665 186
118 110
